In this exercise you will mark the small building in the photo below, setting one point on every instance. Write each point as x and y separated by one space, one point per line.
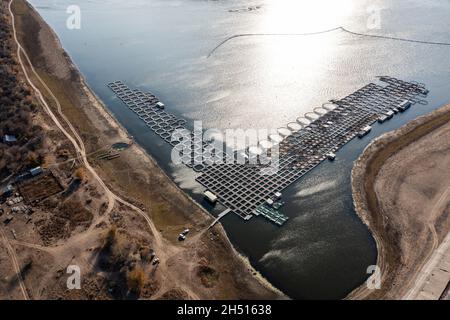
211 197
389 114
160 105
405 105
36 171
9 139
365 131
382 119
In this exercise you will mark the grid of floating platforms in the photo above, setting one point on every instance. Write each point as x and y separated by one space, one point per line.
303 144
151 110
316 137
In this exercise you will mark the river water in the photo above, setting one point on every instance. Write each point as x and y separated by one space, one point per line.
324 250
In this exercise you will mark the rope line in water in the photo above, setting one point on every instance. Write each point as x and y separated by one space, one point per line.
394 38
270 34
343 29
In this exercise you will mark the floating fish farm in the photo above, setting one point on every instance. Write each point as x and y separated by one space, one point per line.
303 144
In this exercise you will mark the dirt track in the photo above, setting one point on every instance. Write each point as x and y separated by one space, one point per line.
133 180
400 187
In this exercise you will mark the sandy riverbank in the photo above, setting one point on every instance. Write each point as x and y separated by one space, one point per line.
136 177
400 186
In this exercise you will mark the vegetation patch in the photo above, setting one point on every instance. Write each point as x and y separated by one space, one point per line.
17 107
40 187
208 276
66 217
175 294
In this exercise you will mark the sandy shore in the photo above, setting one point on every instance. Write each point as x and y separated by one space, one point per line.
137 177
400 186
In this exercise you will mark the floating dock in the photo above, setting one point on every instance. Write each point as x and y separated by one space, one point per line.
271 214
303 145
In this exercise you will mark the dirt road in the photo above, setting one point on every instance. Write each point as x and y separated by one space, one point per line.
15 264
437 252
401 191
179 262
78 144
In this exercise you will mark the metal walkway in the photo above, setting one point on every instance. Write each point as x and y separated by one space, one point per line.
220 216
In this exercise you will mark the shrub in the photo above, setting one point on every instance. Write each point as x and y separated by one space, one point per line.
136 280
111 236
80 174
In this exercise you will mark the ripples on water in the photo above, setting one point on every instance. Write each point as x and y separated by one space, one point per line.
264 82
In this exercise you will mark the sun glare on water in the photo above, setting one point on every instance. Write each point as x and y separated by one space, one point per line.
290 64
290 16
